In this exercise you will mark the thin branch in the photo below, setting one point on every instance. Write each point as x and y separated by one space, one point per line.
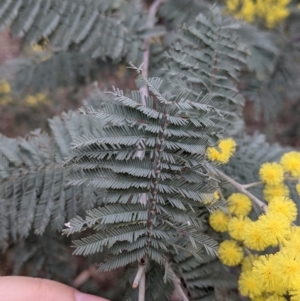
140 279
139 274
252 184
142 287
145 67
241 188
146 46
292 178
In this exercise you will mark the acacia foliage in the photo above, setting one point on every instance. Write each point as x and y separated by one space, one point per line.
105 158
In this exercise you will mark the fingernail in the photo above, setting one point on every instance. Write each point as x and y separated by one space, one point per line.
86 297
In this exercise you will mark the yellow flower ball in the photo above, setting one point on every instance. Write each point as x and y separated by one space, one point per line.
271 173
236 227
254 237
266 272
228 146
278 15
288 269
219 220
272 191
285 206
230 253
232 5
249 286
225 152
248 262
4 87
248 11
271 11
275 228
216 195
292 243
239 204
291 163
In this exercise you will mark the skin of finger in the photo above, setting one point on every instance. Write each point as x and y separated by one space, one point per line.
15 288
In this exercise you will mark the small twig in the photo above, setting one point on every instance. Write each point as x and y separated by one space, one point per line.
248 253
292 179
142 287
139 274
246 186
247 250
176 281
221 194
241 188
178 288
84 276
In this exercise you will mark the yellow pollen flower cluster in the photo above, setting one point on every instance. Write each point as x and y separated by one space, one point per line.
224 153
5 90
270 229
273 176
284 206
248 261
219 220
275 228
291 163
230 253
249 285
236 227
242 9
4 87
254 237
274 275
216 195
239 204
271 173
292 244
271 11
271 277
36 100
273 191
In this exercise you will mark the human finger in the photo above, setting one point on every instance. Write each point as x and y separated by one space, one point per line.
15 288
